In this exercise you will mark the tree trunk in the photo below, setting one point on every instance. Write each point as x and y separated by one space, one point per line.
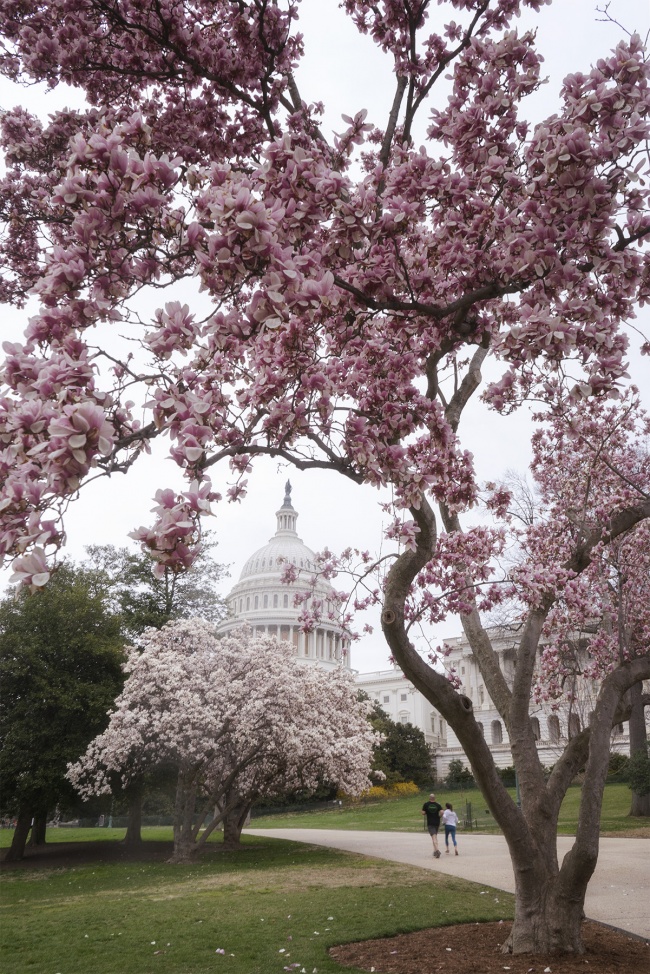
184 810
24 823
38 829
638 743
548 919
135 793
184 846
640 807
233 824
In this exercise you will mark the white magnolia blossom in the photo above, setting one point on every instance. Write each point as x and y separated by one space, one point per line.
236 716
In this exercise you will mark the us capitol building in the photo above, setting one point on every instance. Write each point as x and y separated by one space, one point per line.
266 603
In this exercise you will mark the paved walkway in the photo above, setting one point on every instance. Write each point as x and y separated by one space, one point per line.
618 894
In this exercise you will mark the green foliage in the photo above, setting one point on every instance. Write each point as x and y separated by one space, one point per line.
268 906
60 667
619 767
508 776
403 754
458 776
145 601
639 773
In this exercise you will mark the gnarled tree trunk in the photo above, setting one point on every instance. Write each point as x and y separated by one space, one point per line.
233 824
549 910
16 850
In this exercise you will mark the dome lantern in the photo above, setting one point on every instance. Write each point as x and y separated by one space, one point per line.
287 516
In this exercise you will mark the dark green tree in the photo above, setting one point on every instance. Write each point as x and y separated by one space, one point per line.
403 754
458 776
144 600
60 667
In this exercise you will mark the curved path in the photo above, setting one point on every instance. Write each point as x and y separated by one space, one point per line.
618 894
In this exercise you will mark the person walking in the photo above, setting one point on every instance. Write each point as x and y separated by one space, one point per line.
432 810
450 821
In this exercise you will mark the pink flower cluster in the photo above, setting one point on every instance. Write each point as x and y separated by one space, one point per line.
173 541
351 290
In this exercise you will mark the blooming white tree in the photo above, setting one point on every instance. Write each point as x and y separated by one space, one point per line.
236 717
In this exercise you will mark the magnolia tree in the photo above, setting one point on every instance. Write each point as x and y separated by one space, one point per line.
596 471
236 718
351 290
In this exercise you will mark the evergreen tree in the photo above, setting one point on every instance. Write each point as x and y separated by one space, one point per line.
403 754
60 666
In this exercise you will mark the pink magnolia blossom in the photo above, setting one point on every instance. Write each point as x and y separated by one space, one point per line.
336 290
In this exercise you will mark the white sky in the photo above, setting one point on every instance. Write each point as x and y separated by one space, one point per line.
348 73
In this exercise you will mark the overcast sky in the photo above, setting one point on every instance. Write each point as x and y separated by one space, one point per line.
348 73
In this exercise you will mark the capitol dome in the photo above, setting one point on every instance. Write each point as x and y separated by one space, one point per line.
262 600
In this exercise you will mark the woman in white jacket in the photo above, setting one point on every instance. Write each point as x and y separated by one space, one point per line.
450 821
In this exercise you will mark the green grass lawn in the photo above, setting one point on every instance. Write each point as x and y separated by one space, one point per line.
404 814
271 905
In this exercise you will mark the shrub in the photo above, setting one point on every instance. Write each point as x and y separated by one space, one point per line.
374 793
619 767
639 773
508 776
458 776
403 788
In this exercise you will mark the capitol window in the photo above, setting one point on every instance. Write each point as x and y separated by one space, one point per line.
554 727
386 699
403 696
257 602
286 602
275 601
497 732
266 601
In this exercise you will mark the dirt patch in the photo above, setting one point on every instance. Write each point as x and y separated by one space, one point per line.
58 856
476 949
292 879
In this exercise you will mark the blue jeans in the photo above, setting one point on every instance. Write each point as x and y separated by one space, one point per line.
450 830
